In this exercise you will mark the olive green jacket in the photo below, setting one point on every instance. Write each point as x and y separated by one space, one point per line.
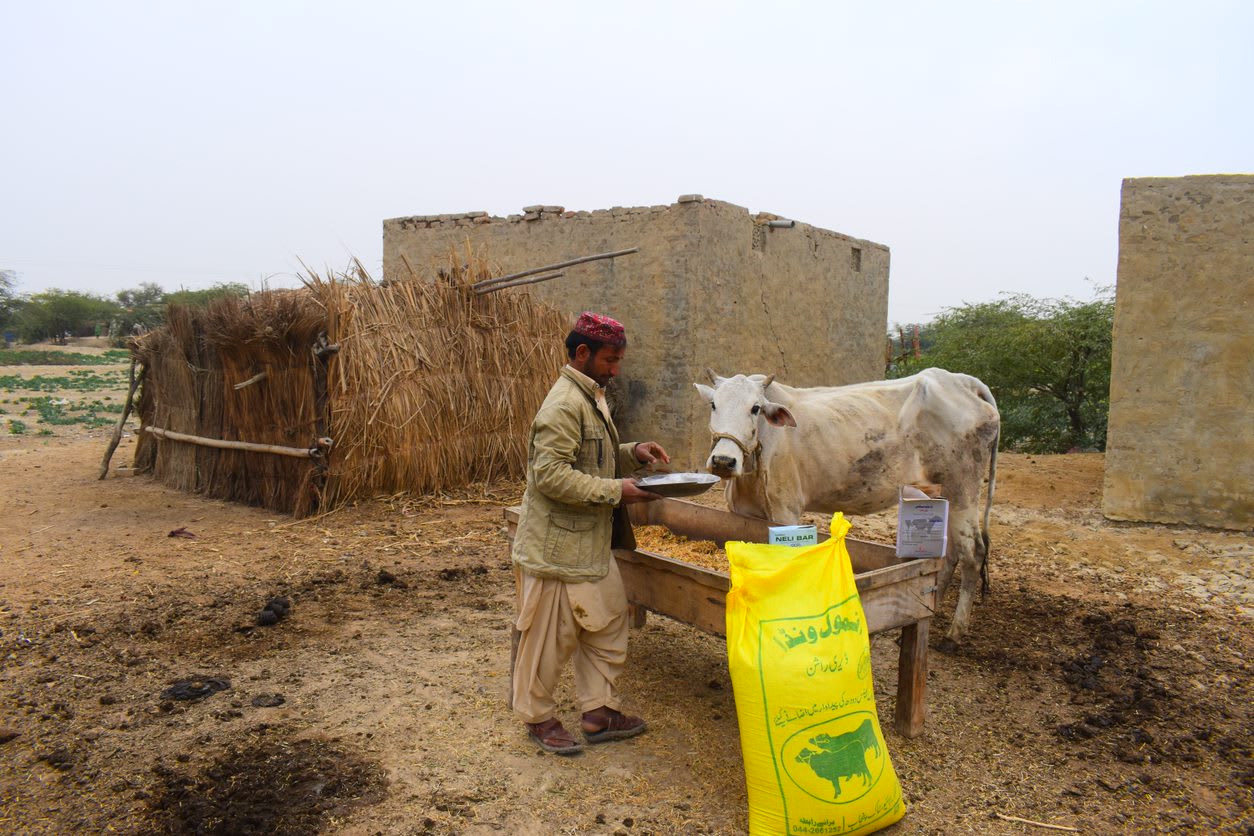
574 462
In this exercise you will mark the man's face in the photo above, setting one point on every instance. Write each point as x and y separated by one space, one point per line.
602 366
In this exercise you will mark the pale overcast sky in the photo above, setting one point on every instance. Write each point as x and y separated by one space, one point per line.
984 143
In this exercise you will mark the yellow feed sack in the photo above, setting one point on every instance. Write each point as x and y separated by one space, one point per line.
800 658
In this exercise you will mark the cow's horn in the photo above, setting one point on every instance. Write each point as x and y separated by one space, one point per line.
712 376
767 381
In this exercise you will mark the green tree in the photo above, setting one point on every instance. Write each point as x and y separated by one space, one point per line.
141 309
1046 360
148 293
57 314
203 297
9 300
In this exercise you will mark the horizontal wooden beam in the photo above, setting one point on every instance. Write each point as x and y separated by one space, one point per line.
225 444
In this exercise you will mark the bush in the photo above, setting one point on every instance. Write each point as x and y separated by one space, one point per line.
1047 362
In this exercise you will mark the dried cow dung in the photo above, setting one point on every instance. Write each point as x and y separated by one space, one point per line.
195 689
268 700
275 610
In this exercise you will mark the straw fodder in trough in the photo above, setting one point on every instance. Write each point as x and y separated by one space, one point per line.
433 387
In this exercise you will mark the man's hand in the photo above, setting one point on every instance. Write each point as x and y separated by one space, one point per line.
634 493
648 452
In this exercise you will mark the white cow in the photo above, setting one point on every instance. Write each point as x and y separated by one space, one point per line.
785 451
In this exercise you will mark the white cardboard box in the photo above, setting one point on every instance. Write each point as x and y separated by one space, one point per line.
922 524
793 535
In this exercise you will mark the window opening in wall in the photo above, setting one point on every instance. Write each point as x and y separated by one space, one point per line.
855 259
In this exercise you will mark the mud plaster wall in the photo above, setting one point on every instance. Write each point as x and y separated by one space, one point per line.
1181 440
711 286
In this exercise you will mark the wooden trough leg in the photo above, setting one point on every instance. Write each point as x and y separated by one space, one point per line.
636 615
911 710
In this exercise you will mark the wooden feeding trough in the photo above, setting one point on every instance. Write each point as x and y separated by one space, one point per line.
894 592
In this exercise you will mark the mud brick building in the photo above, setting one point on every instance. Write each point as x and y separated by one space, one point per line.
712 286
1180 447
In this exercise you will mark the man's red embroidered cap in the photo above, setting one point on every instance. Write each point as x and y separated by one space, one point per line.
601 328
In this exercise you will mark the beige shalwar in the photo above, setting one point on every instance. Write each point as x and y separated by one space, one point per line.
586 620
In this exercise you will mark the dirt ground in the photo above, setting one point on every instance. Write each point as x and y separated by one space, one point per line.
1105 686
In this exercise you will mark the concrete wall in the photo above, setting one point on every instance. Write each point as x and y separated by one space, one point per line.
711 286
1181 439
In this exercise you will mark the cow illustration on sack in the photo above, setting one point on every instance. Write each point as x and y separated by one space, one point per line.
842 756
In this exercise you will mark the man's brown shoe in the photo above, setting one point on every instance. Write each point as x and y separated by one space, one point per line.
602 725
551 736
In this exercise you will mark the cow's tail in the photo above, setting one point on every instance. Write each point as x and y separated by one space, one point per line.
988 507
986 395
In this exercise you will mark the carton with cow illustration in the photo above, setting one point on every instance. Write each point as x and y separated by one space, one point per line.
922 524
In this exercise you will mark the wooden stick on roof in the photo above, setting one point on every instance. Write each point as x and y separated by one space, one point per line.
519 282
479 286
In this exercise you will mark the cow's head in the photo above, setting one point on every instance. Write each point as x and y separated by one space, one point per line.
739 417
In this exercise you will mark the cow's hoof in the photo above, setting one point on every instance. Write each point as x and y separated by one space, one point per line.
947 645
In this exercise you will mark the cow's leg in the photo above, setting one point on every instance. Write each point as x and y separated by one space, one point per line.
946 572
953 537
965 553
963 535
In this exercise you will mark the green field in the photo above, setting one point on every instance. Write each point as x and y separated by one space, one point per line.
63 400
33 357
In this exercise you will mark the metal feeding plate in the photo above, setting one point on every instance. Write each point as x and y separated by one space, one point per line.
678 484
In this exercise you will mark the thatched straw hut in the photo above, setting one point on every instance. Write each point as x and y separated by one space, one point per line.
346 388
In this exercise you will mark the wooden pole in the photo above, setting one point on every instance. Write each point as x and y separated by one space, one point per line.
520 282
478 286
117 431
323 351
224 444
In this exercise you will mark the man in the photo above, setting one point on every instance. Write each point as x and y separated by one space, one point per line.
570 595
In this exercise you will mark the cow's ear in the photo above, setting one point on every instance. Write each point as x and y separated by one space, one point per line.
706 391
778 415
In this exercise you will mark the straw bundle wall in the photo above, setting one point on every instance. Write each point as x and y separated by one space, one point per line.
434 386
191 367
